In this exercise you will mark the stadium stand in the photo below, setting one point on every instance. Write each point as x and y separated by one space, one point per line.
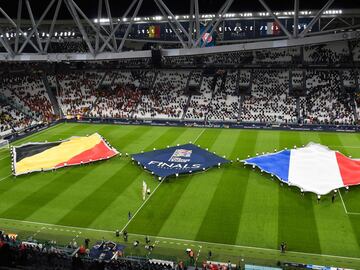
225 101
12 120
76 92
28 91
312 94
198 107
118 102
288 55
165 100
68 46
326 101
270 101
337 52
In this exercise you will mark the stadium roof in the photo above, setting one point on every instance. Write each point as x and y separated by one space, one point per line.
149 7
28 28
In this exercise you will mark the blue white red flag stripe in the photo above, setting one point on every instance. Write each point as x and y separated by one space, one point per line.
313 168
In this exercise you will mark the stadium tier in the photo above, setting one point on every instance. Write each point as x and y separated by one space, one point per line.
255 94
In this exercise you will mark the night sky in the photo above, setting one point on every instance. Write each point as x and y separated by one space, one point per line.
178 7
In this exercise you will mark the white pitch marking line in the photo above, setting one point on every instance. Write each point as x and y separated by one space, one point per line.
342 201
39 132
183 240
346 211
6 177
27 137
4 157
345 146
248 247
55 225
199 135
142 205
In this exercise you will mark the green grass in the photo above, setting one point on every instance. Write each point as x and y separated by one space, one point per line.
233 205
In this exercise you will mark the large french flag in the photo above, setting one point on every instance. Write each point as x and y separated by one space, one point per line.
313 168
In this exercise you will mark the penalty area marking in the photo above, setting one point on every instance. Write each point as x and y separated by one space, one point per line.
172 240
6 177
345 209
342 201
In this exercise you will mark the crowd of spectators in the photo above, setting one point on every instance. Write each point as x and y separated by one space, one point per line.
77 91
12 119
165 99
282 55
31 255
356 50
29 92
68 46
334 53
251 94
269 101
119 101
224 105
326 101
199 103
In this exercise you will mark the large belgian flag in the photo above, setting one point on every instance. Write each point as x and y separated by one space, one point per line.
32 157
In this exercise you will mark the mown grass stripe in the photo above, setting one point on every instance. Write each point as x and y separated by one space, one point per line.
113 185
85 212
165 138
224 209
116 185
54 187
36 199
48 134
168 137
333 139
193 203
261 195
152 218
297 224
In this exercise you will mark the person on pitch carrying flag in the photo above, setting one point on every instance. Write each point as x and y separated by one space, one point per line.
144 190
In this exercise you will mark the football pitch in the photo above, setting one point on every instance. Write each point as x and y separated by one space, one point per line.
234 211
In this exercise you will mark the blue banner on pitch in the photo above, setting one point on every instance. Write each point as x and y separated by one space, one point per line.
185 158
